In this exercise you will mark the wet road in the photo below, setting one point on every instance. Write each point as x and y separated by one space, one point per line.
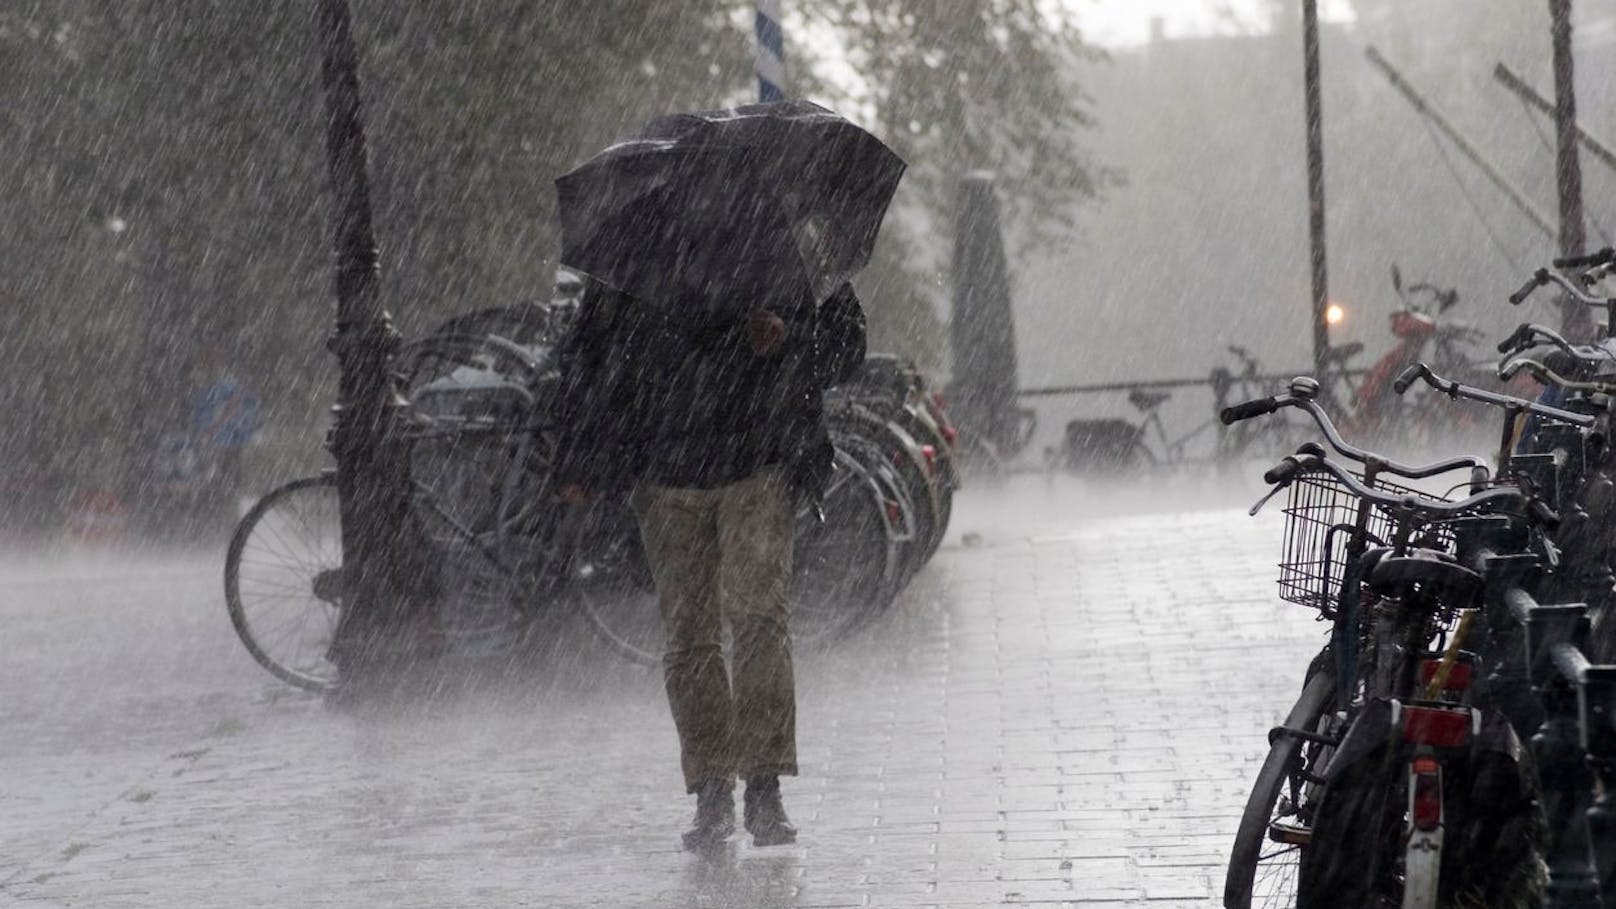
1065 712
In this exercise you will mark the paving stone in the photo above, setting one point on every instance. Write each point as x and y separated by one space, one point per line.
1067 715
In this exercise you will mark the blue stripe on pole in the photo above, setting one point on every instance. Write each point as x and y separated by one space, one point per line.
769 34
771 53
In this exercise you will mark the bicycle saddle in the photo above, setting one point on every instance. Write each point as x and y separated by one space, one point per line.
1431 573
1147 401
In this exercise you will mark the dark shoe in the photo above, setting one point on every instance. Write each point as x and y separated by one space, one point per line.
765 816
715 815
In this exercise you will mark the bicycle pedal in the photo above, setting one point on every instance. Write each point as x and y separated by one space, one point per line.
1290 834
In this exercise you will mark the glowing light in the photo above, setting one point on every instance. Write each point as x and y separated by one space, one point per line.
1334 314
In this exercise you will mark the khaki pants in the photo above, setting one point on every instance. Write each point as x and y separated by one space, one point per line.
724 555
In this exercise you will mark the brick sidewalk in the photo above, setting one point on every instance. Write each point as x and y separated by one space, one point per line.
1069 717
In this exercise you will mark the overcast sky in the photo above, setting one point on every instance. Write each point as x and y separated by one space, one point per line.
1123 22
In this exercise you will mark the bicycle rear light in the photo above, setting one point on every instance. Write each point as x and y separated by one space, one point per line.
1460 674
1439 727
1426 803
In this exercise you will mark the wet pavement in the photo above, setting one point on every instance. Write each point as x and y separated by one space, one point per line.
1065 711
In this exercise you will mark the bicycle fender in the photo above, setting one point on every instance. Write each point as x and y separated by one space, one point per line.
1370 732
1498 736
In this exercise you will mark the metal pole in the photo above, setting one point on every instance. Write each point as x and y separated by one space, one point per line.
1315 182
1527 93
382 609
771 55
1464 145
1574 317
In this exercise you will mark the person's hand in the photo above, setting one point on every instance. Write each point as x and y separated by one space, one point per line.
574 494
765 331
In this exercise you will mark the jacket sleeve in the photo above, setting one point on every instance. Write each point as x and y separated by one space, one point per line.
840 340
596 446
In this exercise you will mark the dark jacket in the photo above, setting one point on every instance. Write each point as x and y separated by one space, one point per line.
680 400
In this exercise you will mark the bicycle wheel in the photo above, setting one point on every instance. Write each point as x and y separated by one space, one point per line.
611 583
1494 833
944 479
900 513
1274 830
283 581
907 458
844 568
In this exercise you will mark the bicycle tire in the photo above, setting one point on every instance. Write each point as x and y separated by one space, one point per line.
315 564
906 458
945 478
903 524
610 583
852 553
1280 769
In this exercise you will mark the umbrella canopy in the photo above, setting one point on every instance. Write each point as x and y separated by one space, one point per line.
711 210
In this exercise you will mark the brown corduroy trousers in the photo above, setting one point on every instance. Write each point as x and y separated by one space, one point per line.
720 556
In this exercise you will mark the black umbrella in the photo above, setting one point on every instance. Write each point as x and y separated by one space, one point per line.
719 209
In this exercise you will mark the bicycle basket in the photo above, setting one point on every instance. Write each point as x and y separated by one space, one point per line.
1321 518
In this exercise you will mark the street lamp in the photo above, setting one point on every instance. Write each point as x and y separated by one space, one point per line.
388 617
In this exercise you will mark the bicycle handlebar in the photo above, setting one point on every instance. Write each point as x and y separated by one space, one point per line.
1604 256
1519 296
1543 276
1529 334
1259 407
1301 397
1282 473
1548 376
1303 462
1409 376
1453 389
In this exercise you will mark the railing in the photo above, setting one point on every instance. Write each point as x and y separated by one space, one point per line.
1226 387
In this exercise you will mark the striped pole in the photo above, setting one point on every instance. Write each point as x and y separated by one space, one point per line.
771 59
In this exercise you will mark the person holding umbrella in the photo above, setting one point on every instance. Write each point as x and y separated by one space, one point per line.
719 247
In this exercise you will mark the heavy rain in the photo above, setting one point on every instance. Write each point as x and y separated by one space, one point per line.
808 453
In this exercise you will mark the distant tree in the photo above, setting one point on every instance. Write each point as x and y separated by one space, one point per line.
963 85
162 163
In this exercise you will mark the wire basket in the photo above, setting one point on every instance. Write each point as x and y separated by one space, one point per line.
1321 519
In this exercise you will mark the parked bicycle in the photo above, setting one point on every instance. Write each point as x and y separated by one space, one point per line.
479 443
1371 794
1119 447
